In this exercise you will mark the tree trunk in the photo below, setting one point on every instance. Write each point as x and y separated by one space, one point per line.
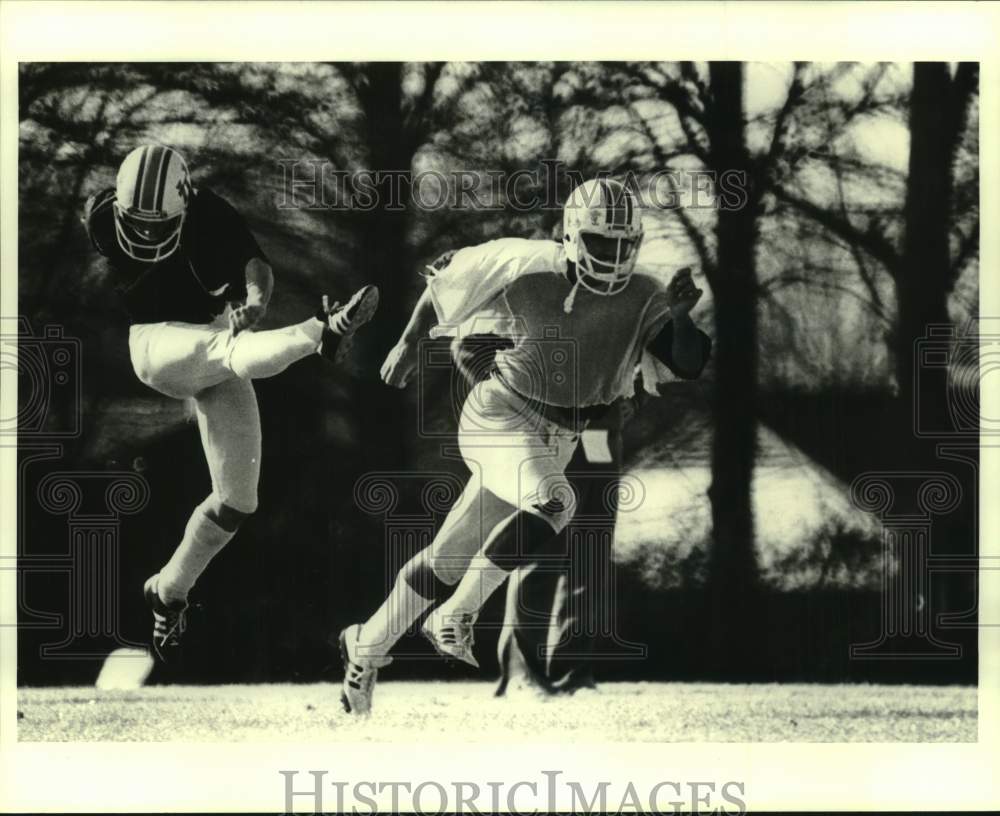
385 259
732 560
925 279
938 110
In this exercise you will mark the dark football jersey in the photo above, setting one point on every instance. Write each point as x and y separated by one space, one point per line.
196 281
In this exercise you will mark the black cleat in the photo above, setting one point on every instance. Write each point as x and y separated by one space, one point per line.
169 622
343 321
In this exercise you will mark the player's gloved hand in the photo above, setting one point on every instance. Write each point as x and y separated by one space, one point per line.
245 317
400 363
682 294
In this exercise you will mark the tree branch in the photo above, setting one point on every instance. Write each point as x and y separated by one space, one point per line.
781 125
872 242
967 248
785 280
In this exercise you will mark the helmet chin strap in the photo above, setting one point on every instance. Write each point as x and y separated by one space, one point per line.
578 273
577 278
574 275
568 303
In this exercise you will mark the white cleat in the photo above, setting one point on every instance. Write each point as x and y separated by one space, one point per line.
360 673
452 635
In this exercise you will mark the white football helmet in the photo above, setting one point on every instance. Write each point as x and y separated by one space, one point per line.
151 199
602 231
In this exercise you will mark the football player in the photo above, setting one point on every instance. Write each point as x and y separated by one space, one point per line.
195 285
584 315
554 609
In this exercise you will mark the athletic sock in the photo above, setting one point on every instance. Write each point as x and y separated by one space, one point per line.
314 327
481 580
203 540
392 620
511 544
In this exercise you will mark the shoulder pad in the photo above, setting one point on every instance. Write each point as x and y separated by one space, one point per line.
531 249
97 202
98 219
645 278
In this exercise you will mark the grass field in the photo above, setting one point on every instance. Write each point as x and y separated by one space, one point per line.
660 712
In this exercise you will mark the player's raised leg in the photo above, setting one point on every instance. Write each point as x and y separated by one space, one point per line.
182 360
256 355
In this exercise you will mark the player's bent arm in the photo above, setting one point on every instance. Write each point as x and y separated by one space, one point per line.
689 350
260 282
402 359
422 320
682 347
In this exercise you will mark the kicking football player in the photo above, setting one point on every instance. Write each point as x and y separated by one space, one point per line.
195 284
584 316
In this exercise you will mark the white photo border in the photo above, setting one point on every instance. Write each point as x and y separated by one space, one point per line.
100 777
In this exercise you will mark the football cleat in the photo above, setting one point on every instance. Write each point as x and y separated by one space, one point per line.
343 321
169 622
452 635
360 673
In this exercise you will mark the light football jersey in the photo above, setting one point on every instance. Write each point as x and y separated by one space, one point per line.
584 356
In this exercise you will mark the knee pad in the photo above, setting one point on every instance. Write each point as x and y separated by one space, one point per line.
518 540
238 499
421 577
225 515
555 502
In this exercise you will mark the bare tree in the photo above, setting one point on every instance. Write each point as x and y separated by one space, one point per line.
733 279
939 109
927 240
710 131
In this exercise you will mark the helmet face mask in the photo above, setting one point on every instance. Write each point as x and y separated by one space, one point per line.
604 264
147 238
602 233
152 193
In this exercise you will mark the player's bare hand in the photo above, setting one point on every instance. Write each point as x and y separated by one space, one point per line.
682 294
245 317
399 365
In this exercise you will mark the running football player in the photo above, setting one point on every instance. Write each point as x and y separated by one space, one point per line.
195 285
584 316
